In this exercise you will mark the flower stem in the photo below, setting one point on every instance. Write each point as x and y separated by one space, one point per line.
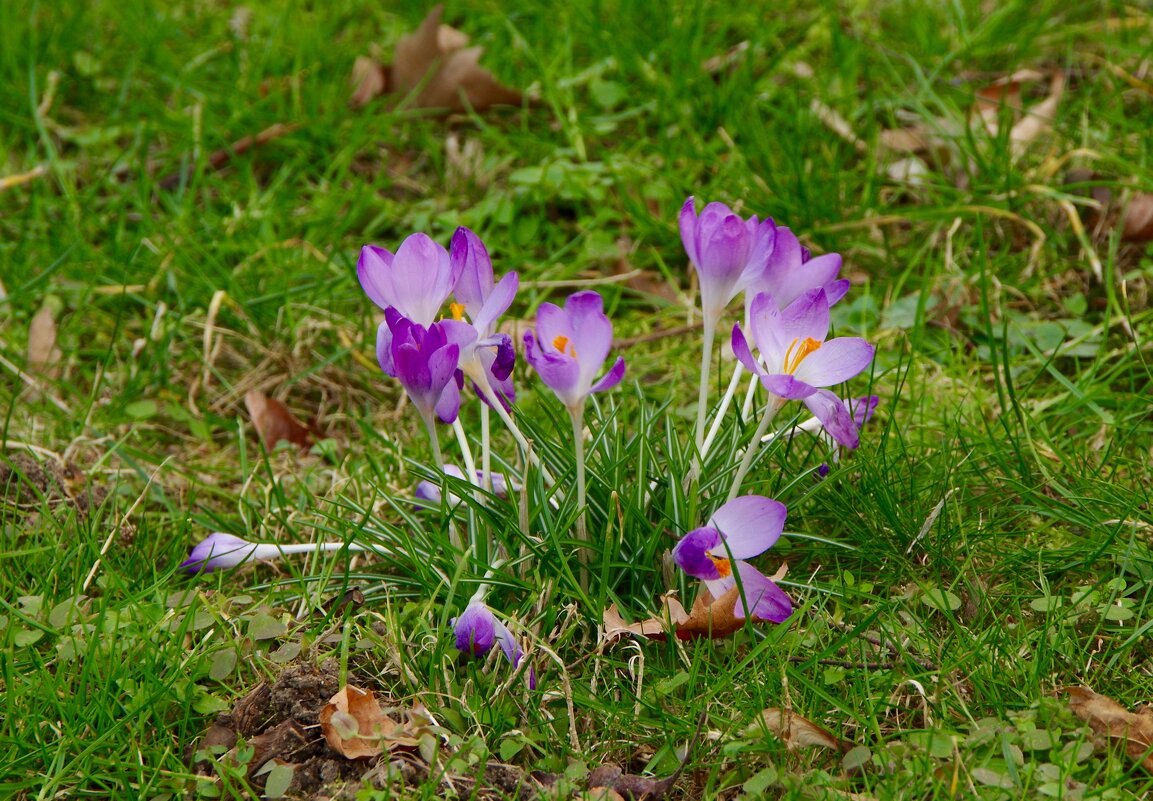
703 391
771 408
576 412
434 441
722 410
485 449
520 438
750 395
480 553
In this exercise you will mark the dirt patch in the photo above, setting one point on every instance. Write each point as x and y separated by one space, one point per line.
280 721
27 486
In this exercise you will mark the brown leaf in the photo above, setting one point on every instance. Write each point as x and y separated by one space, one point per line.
371 724
434 60
906 140
42 351
798 732
369 80
274 422
616 627
1137 225
1039 118
282 740
628 785
1111 720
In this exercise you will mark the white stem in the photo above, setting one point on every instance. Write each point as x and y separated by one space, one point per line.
485 449
520 438
722 410
774 405
750 396
703 390
465 453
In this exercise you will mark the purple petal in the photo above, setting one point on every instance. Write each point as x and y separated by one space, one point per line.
592 331
725 245
767 328
815 274
835 290
691 553
496 303
219 550
504 359
863 408
611 378
469 257
749 525
552 322
835 362
374 269
806 318
834 416
742 352
688 225
508 643
475 630
559 372
423 278
384 349
448 405
787 386
766 600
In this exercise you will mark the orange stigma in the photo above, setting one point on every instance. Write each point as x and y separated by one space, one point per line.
562 344
723 566
797 352
457 310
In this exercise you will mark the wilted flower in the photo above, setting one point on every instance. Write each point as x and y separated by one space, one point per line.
570 346
416 281
425 362
430 491
795 362
741 529
728 252
218 551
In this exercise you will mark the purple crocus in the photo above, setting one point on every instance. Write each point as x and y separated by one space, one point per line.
792 270
728 252
219 551
741 529
795 362
486 357
416 281
478 629
570 346
430 491
425 362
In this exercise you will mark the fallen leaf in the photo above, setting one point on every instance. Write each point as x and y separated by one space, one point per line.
282 740
798 732
1137 224
42 351
1111 720
1133 211
1039 118
370 726
274 422
434 62
616 627
628 785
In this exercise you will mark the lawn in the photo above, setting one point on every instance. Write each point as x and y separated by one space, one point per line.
981 168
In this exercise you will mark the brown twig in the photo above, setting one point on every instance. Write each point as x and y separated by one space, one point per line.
219 158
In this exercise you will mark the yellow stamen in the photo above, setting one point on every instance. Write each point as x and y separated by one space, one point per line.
793 358
723 566
562 344
457 310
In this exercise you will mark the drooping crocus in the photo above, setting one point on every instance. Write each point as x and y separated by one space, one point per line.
795 362
486 357
218 551
478 629
425 363
861 409
570 346
416 281
430 491
716 553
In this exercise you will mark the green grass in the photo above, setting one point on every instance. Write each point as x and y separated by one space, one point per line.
1015 388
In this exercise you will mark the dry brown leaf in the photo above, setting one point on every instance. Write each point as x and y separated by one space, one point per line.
1137 225
915 139
358 709
1111 720
435 62
616 627
42 351
274 422
798 732
1039 118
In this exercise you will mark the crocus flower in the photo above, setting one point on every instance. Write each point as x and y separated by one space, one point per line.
430 491
741 529
477 630
486 357
861 409
425 362
792 270
218 551
795 362
416 281
728 252
570 346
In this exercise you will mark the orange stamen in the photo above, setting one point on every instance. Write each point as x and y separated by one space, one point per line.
562 344
457 310
723 566
793 358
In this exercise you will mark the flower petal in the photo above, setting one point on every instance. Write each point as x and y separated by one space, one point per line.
834 416
863 408
688 225
691 553
836 361
507 642
374 270
559 372
592 331
749 525
787 386
807 317
742 352
611 378
384 349
761 596
448 405
496 303
468 254
475 630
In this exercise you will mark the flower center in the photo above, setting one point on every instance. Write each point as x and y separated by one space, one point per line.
457 310
723 566
797 352
562 344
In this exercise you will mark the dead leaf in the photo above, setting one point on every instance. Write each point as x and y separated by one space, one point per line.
434 62
915 139
628 785
1111 720
282 740
615 626
1039 118
274 422
370 725
42 351
798 732
1137 224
